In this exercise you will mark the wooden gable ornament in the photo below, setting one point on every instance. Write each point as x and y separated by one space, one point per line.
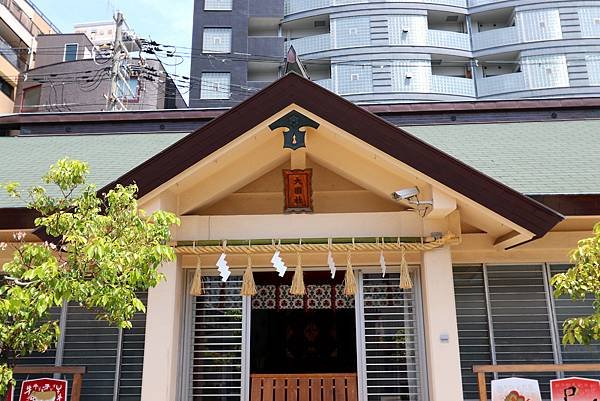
295 133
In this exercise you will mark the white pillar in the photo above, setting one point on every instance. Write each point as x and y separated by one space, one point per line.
441 330
161 347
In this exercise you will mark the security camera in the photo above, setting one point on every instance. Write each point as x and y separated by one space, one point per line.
405 193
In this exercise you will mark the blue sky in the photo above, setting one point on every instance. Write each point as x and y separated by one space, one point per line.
165 21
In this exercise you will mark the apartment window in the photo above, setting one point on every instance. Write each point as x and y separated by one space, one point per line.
6 88
71 51
215 85
31 99
589 19
216 40
218 5
128 90
508 314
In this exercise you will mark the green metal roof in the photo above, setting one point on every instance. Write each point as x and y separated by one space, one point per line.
561 157
533 158
27 159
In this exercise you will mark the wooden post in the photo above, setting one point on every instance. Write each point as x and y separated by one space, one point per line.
76 393
481 384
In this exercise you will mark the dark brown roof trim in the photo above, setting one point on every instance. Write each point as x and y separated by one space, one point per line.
571 205
560 106
366 126
17 218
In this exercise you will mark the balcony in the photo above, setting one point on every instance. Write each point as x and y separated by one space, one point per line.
12 56
452 85
311 44
500 84
495 38
325 83
448 40
22 17
298 6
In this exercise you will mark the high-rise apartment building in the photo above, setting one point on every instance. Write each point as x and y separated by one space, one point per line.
20 23
399 50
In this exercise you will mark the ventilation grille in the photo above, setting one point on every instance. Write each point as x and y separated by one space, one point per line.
390 321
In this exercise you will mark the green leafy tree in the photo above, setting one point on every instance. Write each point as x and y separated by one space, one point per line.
106 250
579 282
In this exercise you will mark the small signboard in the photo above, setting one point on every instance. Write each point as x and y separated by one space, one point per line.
44 390
298 190
575 389
516 389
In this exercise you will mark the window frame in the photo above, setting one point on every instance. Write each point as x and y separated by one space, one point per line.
217 91
76 51
218 9
207 51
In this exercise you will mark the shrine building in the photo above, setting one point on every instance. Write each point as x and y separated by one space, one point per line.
392 247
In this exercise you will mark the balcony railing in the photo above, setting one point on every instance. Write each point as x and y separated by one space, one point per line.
452 85
23 18
495 38
502 84
449 40
297 6
12 56
325 83
311 44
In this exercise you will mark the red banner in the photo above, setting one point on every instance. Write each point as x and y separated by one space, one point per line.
44 390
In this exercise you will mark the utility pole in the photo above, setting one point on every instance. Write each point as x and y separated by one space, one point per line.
120 68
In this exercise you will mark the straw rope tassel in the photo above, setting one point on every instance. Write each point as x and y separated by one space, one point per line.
405 281
349 279
297 287
197 288
248 285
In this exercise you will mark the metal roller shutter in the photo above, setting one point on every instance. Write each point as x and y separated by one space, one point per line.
473 327
522 328
92 343
392 339
565 308
217 341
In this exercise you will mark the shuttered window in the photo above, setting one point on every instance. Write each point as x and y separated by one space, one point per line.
392 339
565 308
473 328
512 309
520 318
113 358
216 371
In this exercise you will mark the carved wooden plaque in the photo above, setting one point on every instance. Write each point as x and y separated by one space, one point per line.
298 190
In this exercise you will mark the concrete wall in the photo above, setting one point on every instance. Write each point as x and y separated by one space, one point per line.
51 48
63 92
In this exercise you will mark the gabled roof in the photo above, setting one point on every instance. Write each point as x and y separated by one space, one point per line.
293 89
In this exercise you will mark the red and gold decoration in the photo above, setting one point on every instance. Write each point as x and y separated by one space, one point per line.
44 390
298 191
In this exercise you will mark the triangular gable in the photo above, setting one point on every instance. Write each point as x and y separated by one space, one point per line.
293 89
